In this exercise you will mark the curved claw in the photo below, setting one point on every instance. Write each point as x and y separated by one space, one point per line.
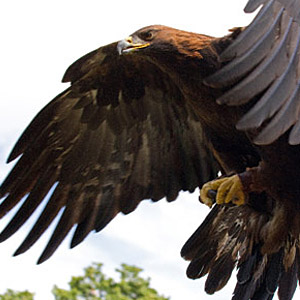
228 189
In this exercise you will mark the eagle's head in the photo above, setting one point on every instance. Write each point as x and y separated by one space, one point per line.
163 39
171 49
145 38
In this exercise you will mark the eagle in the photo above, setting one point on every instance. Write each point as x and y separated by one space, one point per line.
166 110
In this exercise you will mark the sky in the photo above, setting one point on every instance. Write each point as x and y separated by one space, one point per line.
39 40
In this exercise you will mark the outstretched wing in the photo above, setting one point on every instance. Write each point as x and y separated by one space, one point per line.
264 63
121 133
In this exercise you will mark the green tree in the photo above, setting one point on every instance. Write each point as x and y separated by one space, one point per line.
94 285
16 295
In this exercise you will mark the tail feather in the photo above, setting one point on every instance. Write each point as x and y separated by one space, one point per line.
219 274
231 236
200 266
191 247
247 267
288 282
252 272
274 271
263 276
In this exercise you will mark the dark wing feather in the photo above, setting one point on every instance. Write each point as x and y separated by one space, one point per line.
263 64
121 133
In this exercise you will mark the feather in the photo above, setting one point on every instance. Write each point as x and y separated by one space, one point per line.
252 33
252 5
56 202
191 246
247 61
220 273
257 81
66 222
288 283
37 194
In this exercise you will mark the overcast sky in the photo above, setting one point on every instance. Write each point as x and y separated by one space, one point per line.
39 40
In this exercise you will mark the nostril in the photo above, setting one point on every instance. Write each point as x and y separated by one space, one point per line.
129 39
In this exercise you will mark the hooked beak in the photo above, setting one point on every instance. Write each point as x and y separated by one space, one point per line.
128 45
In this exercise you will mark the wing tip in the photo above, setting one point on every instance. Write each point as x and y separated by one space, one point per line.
67 77
75 242
12 156
44 256
252 5
19 251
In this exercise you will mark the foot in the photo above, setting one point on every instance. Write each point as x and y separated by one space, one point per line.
228 189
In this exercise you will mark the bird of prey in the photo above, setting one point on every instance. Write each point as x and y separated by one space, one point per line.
166 110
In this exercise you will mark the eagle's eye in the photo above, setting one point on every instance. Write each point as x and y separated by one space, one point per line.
147 35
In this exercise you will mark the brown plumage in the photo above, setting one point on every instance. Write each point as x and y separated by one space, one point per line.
142 120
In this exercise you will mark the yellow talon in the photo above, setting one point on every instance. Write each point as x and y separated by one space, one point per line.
229 189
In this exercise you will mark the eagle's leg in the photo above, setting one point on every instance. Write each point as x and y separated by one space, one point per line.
228 189
234 189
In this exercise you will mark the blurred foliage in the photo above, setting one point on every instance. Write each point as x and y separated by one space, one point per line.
95 285
15 295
